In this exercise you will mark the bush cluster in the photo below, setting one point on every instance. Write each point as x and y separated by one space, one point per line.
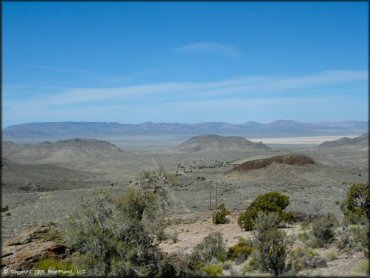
270 202
302 258
114 235
271 245
213 270
323 229
309 239
210 249
250 265
219 217
240 251
354 238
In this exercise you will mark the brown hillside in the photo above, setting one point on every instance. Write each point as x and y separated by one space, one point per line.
290 159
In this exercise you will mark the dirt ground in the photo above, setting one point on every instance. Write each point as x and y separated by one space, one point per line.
185 235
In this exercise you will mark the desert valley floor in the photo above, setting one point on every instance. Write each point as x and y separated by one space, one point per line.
42 182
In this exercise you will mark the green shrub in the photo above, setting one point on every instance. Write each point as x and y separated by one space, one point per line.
270 202
304 236
362 268
308 238
331 257
266 222
180 263
271 245
287 216
305 225
303 258
158 182
223 208
272 252
250 265
246 219
219 217
212 247
241 250
114 235
213 270
353 238
5 209
323 229
62 268
356 207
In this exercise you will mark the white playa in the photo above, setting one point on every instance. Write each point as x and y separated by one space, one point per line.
314 140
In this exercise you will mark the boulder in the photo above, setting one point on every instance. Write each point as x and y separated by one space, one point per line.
25 250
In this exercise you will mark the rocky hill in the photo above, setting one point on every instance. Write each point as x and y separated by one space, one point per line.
214 143
289 159
71 150
19 177
362 140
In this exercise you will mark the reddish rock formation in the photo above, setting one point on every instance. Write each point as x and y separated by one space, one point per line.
290 159
25 250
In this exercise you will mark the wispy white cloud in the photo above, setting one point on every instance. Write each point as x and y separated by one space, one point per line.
247 86
229 97
210 47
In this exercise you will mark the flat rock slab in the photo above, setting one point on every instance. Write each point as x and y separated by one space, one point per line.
25 250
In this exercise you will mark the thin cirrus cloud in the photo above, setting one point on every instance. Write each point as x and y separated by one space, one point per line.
248 86
146 101
219 49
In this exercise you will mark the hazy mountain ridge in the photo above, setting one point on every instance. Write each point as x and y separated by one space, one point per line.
362 140
277 128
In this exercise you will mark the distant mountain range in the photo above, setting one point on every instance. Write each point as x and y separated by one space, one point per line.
279 128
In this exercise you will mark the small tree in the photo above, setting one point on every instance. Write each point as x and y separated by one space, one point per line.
271 244
270 202
356 207
219 217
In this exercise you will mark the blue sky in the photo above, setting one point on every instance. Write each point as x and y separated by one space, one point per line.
185 62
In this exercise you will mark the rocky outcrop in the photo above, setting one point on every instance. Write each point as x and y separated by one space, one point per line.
214 143
289 159
25 250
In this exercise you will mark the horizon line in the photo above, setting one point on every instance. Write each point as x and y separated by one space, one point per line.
203 122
